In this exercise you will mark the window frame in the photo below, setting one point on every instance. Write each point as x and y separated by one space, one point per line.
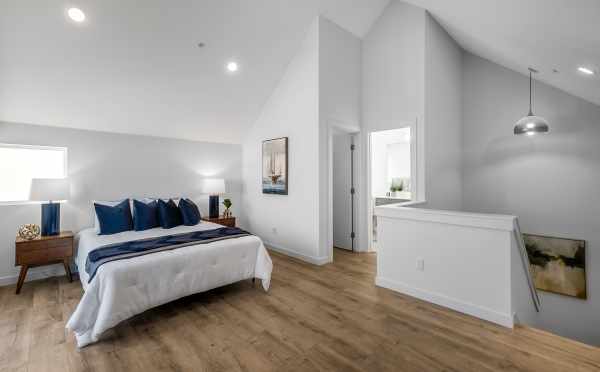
63 149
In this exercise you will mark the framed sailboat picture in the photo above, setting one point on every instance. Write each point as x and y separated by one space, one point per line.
275 166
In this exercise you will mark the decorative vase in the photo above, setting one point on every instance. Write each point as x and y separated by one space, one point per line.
29 231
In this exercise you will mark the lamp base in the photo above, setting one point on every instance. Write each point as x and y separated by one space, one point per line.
50 219
213 206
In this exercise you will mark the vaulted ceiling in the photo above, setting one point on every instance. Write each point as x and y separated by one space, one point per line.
545 34
138 69
135 66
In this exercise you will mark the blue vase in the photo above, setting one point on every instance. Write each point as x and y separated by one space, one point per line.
213 210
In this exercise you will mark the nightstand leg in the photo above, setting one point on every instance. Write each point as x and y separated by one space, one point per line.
68 269
22 276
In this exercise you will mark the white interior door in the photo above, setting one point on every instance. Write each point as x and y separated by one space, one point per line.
342 184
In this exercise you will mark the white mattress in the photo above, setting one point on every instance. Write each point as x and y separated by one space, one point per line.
128 287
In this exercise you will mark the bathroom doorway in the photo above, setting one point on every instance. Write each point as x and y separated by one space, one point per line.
391 172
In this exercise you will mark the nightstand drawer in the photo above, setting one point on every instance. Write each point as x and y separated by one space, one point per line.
40 256
37 257
35 245
59 253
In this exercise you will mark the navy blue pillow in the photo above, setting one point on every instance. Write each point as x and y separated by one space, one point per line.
115 219
189 212
145 215
168 214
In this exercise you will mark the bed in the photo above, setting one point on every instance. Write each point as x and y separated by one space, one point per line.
123 288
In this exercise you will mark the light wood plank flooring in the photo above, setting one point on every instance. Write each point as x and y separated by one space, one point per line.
329 318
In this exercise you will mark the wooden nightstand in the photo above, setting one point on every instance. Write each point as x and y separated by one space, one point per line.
43 250
225 221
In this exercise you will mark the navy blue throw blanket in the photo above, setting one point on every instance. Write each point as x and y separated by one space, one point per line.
136 248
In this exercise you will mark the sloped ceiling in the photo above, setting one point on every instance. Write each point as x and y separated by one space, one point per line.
135 67
544 34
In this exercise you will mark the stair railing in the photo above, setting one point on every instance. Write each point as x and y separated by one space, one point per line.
525 261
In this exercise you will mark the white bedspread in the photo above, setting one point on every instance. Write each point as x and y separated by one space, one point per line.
128 287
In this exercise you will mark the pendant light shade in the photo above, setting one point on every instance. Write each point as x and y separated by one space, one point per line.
531 124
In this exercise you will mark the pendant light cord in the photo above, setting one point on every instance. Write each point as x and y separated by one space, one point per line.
530 93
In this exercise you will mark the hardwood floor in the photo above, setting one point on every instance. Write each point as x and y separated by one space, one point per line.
329 318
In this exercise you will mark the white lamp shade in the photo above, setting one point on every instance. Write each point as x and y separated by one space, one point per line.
213 186
49 189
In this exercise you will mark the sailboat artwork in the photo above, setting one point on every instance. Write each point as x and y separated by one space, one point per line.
275 166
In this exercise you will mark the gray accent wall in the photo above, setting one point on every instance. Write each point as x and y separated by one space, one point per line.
552 182
109 166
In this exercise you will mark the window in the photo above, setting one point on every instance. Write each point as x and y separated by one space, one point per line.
19 164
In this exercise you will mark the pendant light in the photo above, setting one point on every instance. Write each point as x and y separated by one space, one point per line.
531 124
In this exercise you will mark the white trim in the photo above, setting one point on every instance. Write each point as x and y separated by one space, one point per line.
34 274
505 320
310 259
480 220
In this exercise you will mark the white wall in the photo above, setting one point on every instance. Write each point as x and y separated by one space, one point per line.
412 73
469 261
393 84
393 74
443 119
339 108
551 182
339 76
108 166
448 250
289 222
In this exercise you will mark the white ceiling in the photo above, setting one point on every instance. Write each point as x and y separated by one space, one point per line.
134 67
545 34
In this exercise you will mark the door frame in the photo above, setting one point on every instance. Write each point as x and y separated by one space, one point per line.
417 172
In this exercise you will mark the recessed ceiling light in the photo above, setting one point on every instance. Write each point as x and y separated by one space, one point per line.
232 66
76 14
585 70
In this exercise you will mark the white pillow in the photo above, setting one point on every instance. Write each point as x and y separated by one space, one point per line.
107 203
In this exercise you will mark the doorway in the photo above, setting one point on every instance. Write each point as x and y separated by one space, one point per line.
343 190
391 172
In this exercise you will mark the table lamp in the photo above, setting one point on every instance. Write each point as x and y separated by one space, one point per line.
52 191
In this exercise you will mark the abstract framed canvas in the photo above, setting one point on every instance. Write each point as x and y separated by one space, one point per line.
275 166
557 265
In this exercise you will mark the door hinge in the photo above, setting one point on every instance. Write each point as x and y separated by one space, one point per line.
352 235
352 147
352 191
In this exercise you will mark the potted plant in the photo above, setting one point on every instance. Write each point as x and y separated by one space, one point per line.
397 186
227 203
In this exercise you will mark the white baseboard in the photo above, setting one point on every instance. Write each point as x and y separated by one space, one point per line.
506 320
310 259
34 274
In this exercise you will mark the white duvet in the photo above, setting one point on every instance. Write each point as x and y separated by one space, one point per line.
128 287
